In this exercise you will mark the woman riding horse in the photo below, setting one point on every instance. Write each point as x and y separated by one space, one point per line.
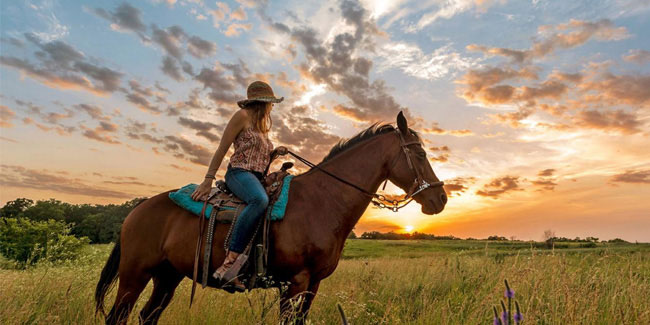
248 129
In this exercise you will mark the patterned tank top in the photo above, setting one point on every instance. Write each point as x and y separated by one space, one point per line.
252 150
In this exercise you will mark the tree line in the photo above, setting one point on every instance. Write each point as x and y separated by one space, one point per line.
99 223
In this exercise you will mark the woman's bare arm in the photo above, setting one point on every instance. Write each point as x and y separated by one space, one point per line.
237 122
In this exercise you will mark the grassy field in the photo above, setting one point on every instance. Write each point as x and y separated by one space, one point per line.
382 282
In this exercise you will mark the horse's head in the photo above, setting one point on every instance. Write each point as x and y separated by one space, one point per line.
411 171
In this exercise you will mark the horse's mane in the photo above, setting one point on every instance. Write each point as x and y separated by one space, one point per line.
372 131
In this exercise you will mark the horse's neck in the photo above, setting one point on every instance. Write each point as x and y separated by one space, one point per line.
363 165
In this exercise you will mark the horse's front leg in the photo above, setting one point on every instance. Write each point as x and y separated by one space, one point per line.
297 298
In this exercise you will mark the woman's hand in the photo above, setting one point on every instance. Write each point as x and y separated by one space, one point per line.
202 190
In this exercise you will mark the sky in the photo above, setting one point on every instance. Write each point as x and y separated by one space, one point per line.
536 114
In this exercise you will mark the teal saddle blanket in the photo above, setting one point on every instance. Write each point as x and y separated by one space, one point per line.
183 198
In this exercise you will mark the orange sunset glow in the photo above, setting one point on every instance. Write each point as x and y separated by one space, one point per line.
535 115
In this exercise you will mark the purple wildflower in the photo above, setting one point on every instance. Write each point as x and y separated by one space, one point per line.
497 321
509 292
504 317
518 316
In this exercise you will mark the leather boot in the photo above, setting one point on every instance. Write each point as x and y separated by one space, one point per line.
221 271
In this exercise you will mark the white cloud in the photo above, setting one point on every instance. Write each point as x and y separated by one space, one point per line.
441 63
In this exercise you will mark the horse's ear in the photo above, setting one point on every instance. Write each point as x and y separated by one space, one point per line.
401 123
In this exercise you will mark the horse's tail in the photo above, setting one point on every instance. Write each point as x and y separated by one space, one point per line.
109 273
108 278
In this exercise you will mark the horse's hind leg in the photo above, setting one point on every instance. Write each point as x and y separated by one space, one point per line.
165 281
131 285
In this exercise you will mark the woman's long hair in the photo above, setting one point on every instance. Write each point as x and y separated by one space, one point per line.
261 116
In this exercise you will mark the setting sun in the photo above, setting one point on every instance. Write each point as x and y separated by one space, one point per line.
408 228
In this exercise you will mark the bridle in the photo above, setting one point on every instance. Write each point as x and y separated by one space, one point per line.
379 200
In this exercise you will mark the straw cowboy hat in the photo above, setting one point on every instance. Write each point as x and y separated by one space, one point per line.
259 91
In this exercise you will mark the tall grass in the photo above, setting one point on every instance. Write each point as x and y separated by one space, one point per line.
405 285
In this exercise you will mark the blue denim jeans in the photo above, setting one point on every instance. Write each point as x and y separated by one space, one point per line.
246 186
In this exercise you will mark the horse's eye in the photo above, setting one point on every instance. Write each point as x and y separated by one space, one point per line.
422 154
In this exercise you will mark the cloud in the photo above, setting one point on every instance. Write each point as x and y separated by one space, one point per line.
20 177
435 129
563 36
197 153
500 186
235 29
171 69
221 87
125 18
203 128
238 14
337 64
169 40
102 132
6 115
220 14
62 66
617 120
200 48
142 103
457 186
637 56
95 112
409 58
161 88
480 84
52 118
545 184
617 89
546 172
13 41
183 168
633 177
448 9
304 134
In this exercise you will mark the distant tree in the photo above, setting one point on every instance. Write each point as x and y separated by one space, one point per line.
45 210
13 209
352 235
495 237
548 234
549 238
617 240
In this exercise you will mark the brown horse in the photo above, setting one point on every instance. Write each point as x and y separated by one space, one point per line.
158 238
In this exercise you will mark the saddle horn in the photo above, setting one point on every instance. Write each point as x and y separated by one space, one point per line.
286 166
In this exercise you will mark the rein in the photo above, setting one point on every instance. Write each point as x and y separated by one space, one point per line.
379 200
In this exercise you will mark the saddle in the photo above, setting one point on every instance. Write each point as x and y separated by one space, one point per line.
225 208
225 203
